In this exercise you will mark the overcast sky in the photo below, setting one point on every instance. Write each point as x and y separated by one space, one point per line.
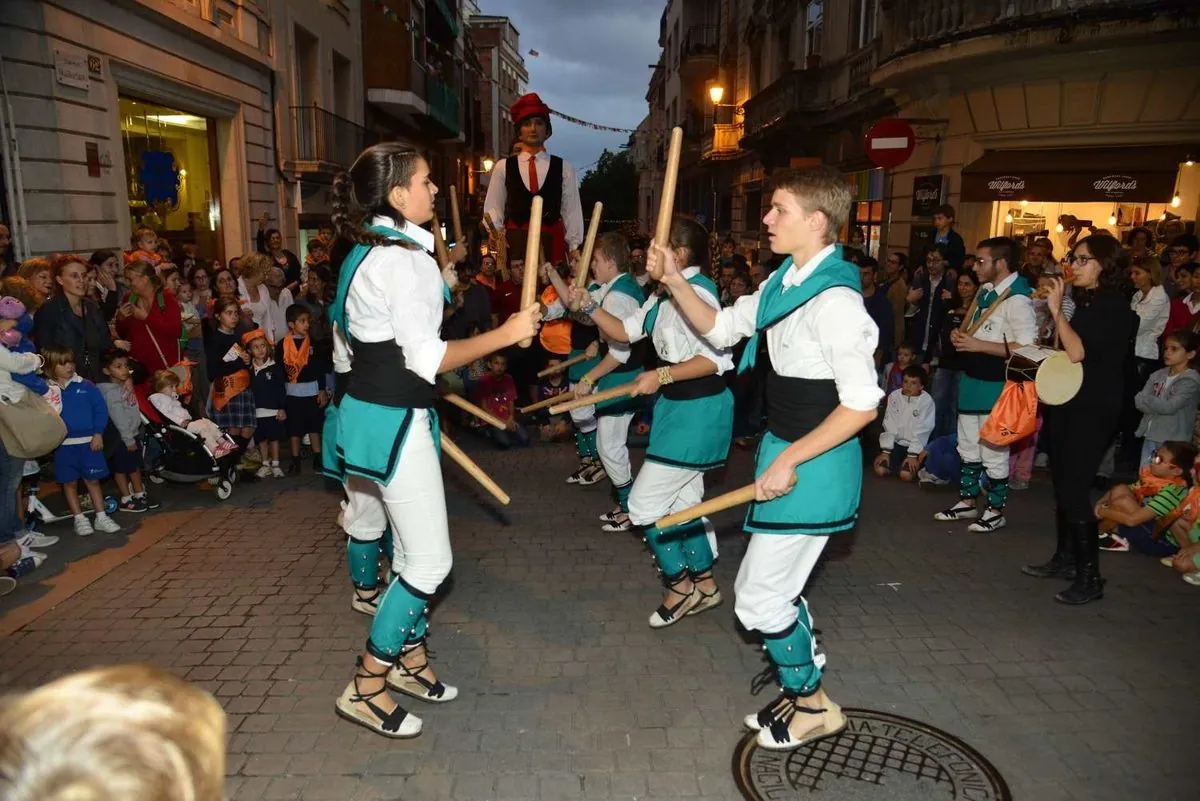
592 64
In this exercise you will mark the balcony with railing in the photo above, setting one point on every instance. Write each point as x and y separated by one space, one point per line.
698 53
721 142
784 102
442 99
913 27
324 143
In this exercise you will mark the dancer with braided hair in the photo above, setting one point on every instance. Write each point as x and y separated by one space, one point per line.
387 313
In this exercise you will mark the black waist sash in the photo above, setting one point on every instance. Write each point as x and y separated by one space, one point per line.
795 406
381 377
692 388
341 383
583 335
982 366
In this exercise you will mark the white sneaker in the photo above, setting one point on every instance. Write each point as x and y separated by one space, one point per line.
277 471
1192 578
83 527
992 520
264 471
959 511
31 468
105 524
925 477
28 553
7 584
36 540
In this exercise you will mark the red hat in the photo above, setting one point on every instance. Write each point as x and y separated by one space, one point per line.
530 105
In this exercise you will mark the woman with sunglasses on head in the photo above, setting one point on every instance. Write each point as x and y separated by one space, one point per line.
1099 336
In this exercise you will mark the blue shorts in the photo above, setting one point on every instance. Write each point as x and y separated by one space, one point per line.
1141 538
125 461
73 462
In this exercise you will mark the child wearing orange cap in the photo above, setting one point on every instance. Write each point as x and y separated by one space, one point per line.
270 397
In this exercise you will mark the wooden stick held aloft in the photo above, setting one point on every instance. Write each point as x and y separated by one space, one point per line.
666 204
558 368
470 408
532 265
738 497
466 463
596 397
534 407
455 218
589 244
439 244
498 245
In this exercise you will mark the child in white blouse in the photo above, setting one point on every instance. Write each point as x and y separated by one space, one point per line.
165 400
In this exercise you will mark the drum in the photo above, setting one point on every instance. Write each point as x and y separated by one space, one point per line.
1056 377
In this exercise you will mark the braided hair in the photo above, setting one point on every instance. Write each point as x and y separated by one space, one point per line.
362 192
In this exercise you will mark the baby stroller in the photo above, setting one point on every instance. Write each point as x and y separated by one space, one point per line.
182 457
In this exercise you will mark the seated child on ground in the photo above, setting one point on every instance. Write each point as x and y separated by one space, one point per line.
166 401
907 424
553 427
497 393
1131 514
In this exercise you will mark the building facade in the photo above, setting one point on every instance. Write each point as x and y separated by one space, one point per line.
131 113
1028 115
501 81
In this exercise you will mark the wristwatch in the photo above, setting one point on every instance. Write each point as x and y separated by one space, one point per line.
589 306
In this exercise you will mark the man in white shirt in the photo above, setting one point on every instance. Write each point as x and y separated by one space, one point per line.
533 172
821 391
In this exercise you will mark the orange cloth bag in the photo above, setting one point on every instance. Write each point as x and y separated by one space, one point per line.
1014 416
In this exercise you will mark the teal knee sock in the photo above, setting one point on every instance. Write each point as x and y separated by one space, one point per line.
997 492
397 620
589 441
668 552
968 485
696 550
793 652
362 557
581 444
623 496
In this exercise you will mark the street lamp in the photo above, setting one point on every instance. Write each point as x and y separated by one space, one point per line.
488 164
716 93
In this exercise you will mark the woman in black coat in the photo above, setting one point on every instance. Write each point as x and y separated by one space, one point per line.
270 242
1100 336
70 319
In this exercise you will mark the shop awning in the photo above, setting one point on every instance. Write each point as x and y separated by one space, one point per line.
1130 174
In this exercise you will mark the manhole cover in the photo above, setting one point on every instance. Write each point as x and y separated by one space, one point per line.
907 757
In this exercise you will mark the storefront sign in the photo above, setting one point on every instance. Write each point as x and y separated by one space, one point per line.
1116 186
1145 175
71 69
927 194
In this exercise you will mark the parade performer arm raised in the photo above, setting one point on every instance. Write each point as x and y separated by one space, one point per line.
389 305
533 171
821 390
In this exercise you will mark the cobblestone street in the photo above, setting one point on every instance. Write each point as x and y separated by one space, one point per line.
568 694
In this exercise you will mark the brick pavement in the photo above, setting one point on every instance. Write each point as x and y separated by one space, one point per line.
567 694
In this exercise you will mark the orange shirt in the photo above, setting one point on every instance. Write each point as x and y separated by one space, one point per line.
556 334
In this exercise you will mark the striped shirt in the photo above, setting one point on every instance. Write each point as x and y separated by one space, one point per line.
1165 501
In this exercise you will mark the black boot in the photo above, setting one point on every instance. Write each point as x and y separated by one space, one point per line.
1088 586
1062 564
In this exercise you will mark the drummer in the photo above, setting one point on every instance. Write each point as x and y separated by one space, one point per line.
1001 319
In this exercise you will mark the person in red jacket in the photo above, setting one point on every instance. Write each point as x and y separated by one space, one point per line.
150 319
1185 311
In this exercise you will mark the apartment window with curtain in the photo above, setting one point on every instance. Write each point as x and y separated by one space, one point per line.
864 22
813 27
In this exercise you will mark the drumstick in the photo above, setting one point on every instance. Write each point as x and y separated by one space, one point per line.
710 507
529 287
558 368
455 219
470 408
666 205
596 397
465 462
439 244
589 243
533 407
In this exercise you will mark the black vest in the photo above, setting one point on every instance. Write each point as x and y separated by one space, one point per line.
381 377
518 198
795 406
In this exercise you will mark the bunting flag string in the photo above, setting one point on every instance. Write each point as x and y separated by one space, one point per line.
394 16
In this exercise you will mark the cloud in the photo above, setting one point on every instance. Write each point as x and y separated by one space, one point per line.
593 63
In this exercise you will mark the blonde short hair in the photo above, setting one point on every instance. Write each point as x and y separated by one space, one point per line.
1152 266
125 732
822 189
254 266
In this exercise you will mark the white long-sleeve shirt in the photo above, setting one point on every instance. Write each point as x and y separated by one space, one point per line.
1152 308
397 294
1013 321
674 339
830 337
572 207
908 422
618 304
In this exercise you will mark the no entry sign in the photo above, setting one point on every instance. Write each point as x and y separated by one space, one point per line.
890 142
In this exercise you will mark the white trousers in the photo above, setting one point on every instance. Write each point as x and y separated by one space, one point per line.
414 503
661 489
612 443
773 574
584 417
970 449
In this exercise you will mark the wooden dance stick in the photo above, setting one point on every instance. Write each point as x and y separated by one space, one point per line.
558 368
455 218
465 462
594 398
532 247
534 407
720 503
439 244
589 244
498 242
470 408
666 204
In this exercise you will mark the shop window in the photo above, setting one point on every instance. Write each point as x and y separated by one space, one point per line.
867 217
169 169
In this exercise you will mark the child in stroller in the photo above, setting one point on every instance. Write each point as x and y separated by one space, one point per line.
184 455
166 402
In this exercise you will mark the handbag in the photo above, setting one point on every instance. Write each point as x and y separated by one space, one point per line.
182 367
30 428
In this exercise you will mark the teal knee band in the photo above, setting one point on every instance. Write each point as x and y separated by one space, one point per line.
968 486
581 444
793 653
696 550
397 620
420 630
668 551
623 496
362 557
997 493
589 441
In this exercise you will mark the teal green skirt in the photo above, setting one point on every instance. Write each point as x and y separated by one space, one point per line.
369 438
692 433
331 464
826 496
618 406
976 396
